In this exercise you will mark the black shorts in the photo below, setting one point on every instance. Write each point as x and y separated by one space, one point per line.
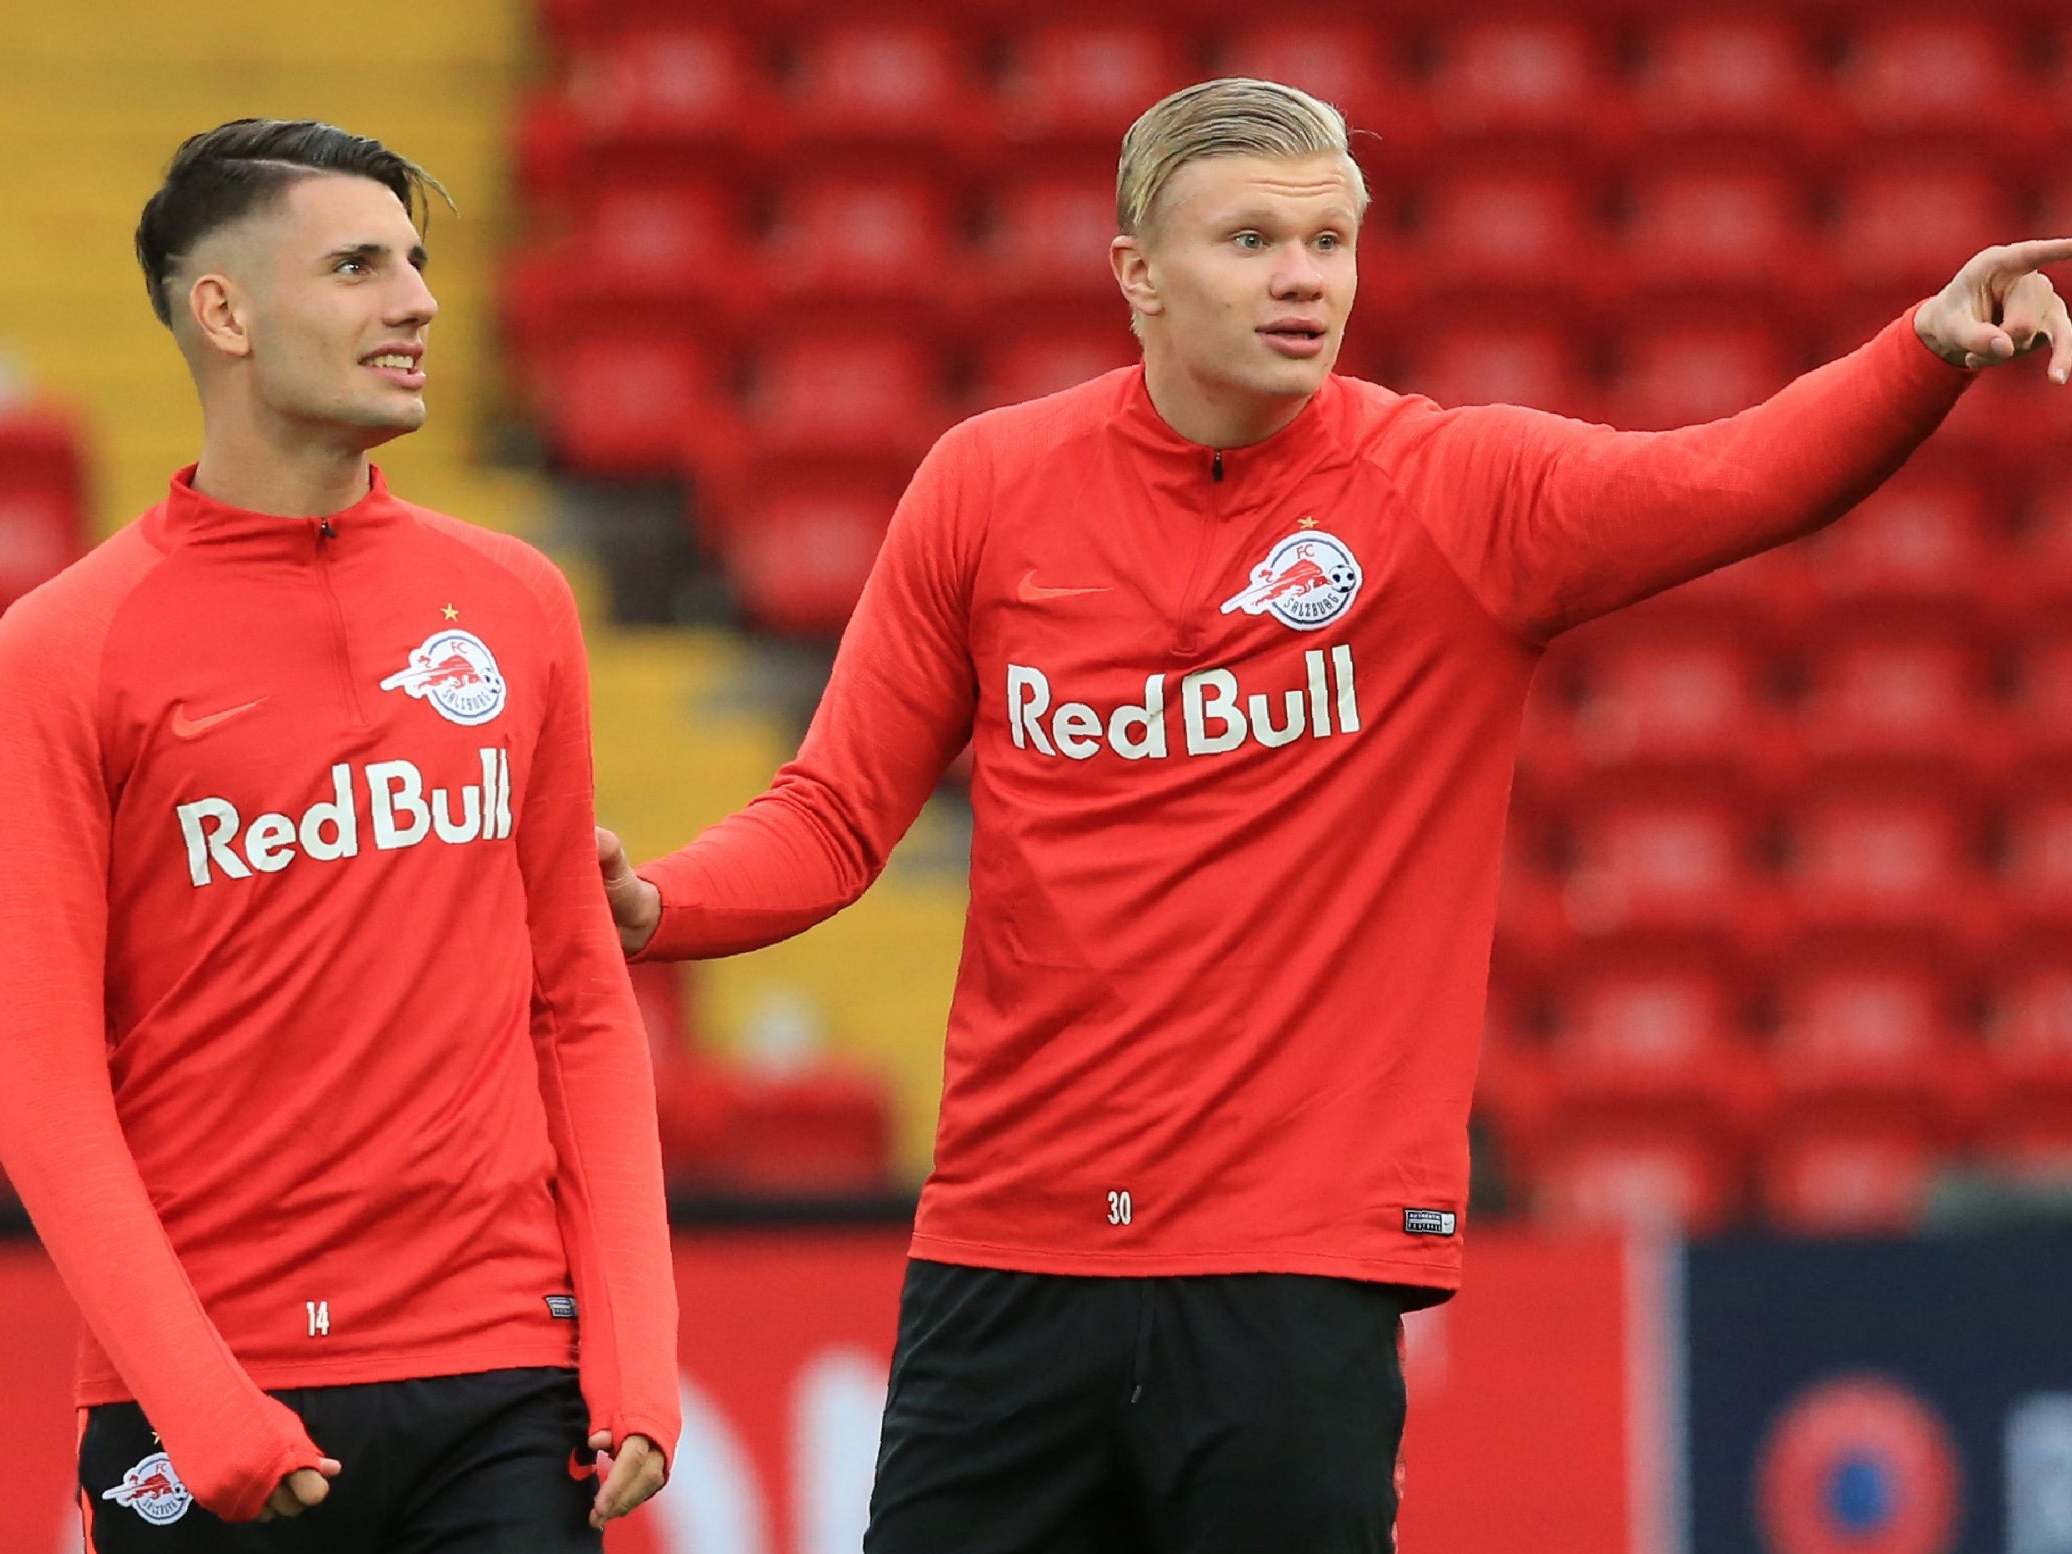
1232 1414
480 1464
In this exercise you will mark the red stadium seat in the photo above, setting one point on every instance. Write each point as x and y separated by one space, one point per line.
1942 74
1724 228
1849 1171
1879 1026
839 395
1909 224
1030 364
1676 690
1636 1176
1663 859
1907 688
1897 856
1531 924
825 1131
1521 226
1535 362
1653 1036
798 543
697 1101
1526 78
1770 595
1087 82
628 405
1733 77
1684 374
2036 866
842 242
655 251
2041 713
2029 1025
1048 239
676 85
1931 535
2040 562
42 498
1349 63
862 87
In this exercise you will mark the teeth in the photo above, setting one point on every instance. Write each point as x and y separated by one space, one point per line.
403 363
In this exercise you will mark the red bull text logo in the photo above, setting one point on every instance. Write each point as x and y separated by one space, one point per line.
399 813
457 674
1215 715
153 1490
1307 581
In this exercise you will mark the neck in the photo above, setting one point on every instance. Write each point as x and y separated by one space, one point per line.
1216 415
290 475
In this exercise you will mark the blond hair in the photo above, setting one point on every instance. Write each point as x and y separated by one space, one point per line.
1230 116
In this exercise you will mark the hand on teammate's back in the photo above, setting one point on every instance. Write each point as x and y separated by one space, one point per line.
630 1477
300 1490
1998 307
636 905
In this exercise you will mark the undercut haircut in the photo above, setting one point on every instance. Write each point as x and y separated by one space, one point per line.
225 174
1230 116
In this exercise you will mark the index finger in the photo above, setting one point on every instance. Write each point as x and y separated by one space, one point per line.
2030 254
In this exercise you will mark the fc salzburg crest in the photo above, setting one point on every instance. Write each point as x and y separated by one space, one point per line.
153 1490
457 674
1306 581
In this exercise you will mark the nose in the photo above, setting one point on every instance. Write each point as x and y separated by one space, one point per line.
1298 276
412 305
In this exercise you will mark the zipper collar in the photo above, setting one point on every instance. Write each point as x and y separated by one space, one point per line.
186 517
1242 476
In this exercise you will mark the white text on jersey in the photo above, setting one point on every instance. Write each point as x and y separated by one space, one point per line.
400 813
1215 716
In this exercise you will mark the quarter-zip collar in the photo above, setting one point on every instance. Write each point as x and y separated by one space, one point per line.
1233 479
186 517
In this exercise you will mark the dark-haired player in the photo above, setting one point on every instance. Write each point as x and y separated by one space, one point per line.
320 1074
1242 649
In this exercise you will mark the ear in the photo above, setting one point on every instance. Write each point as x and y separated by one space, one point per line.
220 313
1131 263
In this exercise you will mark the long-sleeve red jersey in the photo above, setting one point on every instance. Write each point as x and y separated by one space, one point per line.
319 1063
1244 725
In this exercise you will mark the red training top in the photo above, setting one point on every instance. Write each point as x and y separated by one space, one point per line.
321 1064
1244 726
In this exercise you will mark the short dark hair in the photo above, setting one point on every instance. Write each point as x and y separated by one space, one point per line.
224 174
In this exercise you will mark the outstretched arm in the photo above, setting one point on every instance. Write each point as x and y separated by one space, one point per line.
897 709
1551 522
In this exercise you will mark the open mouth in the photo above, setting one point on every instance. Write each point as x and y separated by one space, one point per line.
1296 339
399 367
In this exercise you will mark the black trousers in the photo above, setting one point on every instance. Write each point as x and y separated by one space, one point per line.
1233 1414
480 1464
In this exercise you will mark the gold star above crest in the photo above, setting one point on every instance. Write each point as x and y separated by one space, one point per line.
451 613
1306 523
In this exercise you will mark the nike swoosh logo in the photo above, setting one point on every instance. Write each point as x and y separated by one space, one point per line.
1033 592
185 727
579 1469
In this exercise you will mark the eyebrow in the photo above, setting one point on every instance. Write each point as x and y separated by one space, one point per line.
372 251
1259 216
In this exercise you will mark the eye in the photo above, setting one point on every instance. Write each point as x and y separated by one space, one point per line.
1329 241
345 265
1251 242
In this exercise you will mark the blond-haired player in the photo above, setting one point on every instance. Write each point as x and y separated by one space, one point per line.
1242 647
